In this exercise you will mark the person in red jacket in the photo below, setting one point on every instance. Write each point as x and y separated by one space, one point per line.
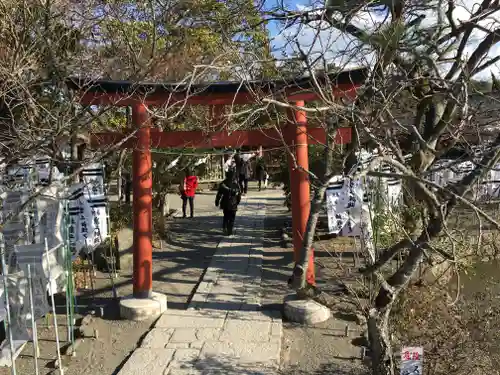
188 191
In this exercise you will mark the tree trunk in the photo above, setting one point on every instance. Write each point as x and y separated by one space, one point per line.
74 156
380 341
121 159
366 238
378 319
351 158
164 206
299 272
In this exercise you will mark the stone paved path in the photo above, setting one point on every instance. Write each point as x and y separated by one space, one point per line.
224 330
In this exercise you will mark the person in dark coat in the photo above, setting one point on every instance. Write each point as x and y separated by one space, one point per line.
260 172
126 186
228 198
244 172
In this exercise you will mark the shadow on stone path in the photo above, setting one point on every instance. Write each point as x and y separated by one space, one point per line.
225 318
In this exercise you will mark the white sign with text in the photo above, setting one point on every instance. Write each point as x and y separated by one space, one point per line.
411 360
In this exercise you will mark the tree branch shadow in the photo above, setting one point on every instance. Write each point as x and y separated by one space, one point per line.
228 365
328 369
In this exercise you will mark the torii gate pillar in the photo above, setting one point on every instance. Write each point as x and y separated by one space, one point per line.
144 303
142 204
299 184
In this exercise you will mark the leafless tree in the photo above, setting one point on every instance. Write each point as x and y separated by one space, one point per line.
52 50
423 58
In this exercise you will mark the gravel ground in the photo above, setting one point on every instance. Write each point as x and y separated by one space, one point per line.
176 272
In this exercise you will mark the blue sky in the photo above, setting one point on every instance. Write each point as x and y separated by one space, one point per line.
332 44
273 27
347 52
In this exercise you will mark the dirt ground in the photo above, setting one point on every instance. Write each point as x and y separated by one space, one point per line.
320 349
177 269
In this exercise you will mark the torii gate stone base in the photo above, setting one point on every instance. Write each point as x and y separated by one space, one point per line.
144 303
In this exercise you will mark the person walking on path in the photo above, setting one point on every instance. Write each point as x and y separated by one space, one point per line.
244 170
126 187
188 191
261 173
228 198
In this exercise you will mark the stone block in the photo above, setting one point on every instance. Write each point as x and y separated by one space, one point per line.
256 262
229 289
138 309
257 252
183 371
183 335
204 287
196 344
157 338
234 279
208 334
194 305
147 361
250 316
305 311
246 330
225 298
252 300
199 297
222 305
234 283
242 353
240 248
224 244
254 271
253 289
211 275
237 266
241 369
178 345
191 319
250 306
277 329
275 314
185 358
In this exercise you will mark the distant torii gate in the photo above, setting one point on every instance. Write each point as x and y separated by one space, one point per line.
216 95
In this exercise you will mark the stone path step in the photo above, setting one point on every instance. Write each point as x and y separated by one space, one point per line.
210 342
224 331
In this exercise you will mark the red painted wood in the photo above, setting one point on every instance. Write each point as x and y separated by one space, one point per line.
145 138
300 188
118 99
217 120
199 139
143 205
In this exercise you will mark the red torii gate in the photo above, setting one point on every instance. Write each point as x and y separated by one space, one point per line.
217 95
